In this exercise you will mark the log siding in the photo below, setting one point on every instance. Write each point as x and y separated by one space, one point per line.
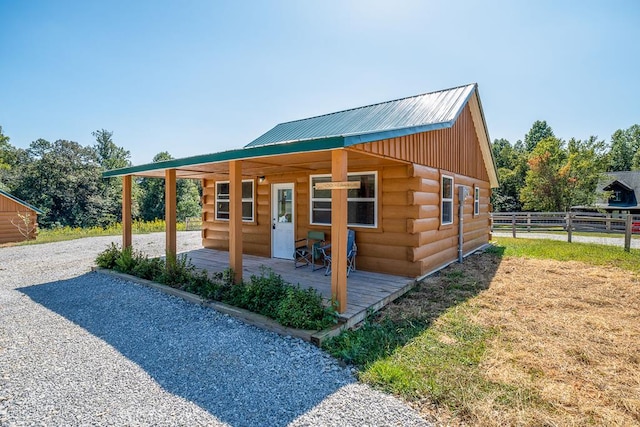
9 210
408 240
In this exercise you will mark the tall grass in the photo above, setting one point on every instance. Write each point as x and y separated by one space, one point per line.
59 234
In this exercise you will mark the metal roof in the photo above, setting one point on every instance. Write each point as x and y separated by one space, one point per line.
405 116
420 113
21 202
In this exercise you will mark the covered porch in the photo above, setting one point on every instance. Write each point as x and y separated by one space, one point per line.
367 291
277 163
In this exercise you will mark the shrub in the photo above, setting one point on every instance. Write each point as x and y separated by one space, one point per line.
178 272
267 294
108 257
128 260
303 309
150 269
263 293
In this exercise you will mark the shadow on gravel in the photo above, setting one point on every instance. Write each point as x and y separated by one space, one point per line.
241 375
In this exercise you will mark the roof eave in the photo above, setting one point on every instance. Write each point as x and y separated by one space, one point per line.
238 154
21 202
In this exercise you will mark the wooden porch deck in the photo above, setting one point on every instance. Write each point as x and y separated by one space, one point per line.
366 291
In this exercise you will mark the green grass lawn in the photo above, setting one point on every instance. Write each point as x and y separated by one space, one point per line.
562 251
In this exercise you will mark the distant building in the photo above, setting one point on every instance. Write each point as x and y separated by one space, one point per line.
618 192
18 219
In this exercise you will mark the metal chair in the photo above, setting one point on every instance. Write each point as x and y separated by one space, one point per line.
306 251
352 251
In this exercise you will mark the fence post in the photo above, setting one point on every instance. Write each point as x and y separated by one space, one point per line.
569 227
608 222
627 232
528 222
513 225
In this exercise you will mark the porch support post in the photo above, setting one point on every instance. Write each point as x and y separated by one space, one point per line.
235 219
170 212
339 231
126 211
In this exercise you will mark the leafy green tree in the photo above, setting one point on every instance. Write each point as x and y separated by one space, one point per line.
561 176
625 149
539 131
511 162
544 186
188 194
110 156
7 160
152 201
582 171
5 149
62 179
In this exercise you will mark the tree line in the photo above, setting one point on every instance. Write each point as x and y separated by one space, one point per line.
547 174
64 180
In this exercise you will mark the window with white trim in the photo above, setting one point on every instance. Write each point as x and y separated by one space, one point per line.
362 203
476 200
222 200
447 200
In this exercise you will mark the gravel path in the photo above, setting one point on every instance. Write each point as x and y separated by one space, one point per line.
81 348
609 241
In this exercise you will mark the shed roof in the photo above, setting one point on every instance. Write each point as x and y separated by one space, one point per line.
21 202
419 113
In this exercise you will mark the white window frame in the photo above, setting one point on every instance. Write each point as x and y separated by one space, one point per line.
244 200
476 200
444 199
349 199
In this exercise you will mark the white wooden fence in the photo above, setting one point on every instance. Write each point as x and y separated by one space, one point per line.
567 222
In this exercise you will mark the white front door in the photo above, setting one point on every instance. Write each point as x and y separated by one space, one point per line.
282 214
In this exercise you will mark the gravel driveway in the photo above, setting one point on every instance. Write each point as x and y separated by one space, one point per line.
81 348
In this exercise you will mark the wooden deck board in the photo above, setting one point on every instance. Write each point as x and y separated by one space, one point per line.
364 289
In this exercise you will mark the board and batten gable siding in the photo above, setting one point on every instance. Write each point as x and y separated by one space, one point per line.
455 149
9 210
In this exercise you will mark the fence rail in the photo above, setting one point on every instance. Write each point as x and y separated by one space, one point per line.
567 222
192 224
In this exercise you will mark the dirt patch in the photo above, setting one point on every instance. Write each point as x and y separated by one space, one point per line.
569 335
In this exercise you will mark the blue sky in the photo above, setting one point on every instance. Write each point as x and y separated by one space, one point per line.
200 76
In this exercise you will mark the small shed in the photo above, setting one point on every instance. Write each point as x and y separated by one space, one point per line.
424 172
18 219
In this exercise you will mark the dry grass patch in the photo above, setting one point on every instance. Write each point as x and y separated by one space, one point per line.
510 341
570 332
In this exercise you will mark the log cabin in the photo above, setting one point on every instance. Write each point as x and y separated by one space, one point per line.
18 219
424 167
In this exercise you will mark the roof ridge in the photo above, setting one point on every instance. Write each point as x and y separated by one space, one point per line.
20 201
377 103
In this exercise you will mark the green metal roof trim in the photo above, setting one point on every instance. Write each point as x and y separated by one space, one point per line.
22 202
400 117
239 154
